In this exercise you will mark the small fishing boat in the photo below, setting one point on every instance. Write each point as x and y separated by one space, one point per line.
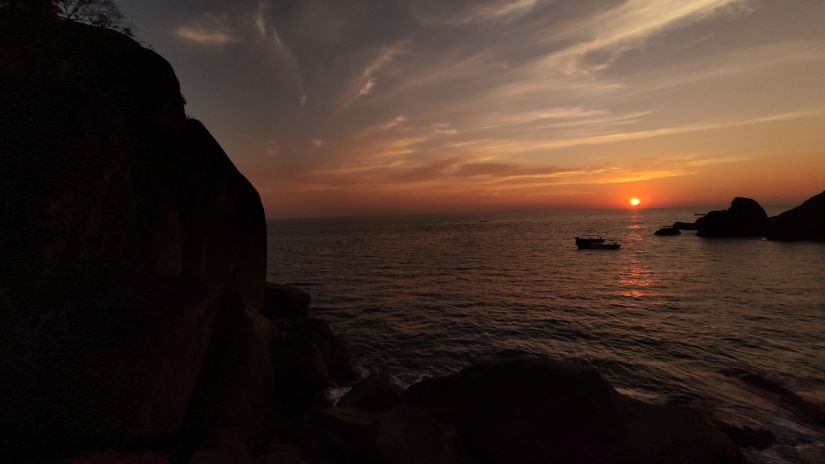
595 242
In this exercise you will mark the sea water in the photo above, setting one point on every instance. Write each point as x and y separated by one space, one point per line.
665 319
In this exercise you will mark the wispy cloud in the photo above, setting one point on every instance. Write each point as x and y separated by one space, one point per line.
478 11
365 81
208 29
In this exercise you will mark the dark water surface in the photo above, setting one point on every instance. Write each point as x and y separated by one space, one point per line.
664 318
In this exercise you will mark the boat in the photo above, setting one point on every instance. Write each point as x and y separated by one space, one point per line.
595 242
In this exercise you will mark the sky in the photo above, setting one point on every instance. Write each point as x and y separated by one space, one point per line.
360 107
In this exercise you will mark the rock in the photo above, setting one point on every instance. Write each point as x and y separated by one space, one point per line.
374 393
284 302
219 456
127 233
744 218
438 396
808 410
744 431
333 351
117 457
666 231
408 436
655 434
805 222
684 225
234 402
278 458
336 435
225 456
534 410
308 358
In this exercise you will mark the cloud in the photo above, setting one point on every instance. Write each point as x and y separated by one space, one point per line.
364 82
393 123
437 11
208 29
628 26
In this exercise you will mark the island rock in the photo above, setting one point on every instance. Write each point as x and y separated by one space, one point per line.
744 218
684 225
665 231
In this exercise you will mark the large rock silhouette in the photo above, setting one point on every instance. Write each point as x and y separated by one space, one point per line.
744 218
127 233
535 410
805 222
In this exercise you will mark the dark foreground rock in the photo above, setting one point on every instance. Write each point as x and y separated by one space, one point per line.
134 256
374 393
805 222
745 432
744 218
308 358
539 410
285 302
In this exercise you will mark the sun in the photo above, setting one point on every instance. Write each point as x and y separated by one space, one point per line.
635 202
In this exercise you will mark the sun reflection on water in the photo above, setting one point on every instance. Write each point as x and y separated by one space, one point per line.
636 281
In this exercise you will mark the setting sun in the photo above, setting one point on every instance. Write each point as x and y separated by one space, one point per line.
635 202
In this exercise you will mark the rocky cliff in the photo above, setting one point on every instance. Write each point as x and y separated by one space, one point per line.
805 222
133 251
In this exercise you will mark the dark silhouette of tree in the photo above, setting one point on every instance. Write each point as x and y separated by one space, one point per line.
98 13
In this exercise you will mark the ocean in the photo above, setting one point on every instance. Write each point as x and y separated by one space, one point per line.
666 319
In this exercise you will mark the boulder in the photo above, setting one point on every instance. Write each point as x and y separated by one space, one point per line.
668 231
117 457
438 396
744 431
534 410
308 358
744 218
127 234
284 302
407 435
374 393
805 222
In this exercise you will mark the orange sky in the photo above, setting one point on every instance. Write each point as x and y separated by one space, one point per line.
375 107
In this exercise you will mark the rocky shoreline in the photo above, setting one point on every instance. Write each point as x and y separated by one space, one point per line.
138 326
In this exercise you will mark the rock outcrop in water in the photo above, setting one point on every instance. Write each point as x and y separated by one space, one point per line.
137 325
744 218
668 231
805 222
684 225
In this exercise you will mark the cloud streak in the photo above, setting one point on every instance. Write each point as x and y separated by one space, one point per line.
209 29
